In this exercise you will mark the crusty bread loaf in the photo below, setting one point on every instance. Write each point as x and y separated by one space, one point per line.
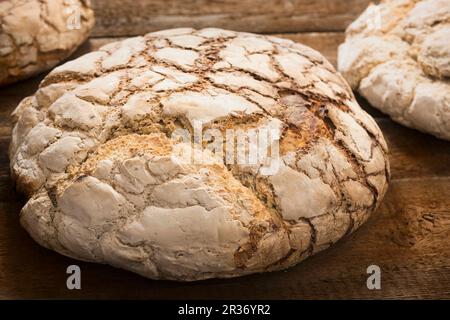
36 35
397 55
94 151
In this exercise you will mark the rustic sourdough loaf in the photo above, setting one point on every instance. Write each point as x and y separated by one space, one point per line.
36 35
397 55
93 149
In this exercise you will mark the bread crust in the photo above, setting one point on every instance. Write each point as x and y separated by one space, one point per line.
402 66
37 35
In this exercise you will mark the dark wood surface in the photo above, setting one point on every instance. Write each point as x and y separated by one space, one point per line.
408 236
130 17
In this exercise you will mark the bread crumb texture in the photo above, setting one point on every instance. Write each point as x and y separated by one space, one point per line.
397 55
92 149
35 35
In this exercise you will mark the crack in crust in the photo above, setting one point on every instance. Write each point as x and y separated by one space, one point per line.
93 151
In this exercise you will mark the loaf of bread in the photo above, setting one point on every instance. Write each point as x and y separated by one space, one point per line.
95 150
397 55
35 35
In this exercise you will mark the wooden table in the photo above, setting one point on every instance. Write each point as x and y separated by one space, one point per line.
408 237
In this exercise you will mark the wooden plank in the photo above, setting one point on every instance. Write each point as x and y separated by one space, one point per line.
413 154
135 17
408 237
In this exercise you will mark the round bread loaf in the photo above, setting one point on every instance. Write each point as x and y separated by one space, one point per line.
397 55
95 150
35 35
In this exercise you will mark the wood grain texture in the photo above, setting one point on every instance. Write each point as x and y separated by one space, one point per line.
133 17
408 236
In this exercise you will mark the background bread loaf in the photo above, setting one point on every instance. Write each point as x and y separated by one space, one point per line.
397 55
37 35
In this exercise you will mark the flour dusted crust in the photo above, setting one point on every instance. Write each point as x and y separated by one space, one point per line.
35 35
397 55
91 149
